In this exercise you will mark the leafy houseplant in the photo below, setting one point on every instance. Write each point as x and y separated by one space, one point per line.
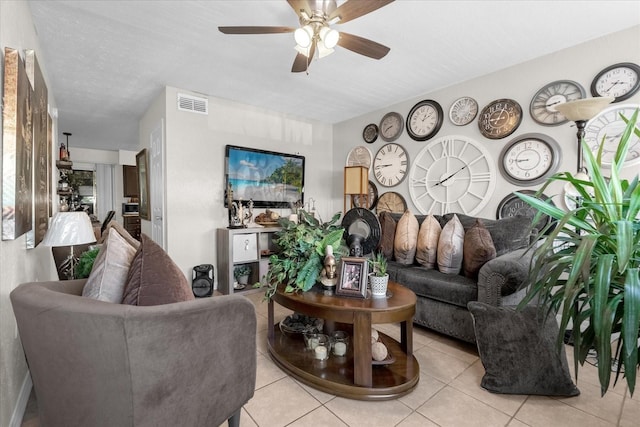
85 263
241 273
379 279
588 265
302 249
379 264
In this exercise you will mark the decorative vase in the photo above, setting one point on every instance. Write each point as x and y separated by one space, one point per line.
243 280
378 285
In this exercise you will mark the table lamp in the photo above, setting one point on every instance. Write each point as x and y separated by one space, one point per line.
68 229
581 111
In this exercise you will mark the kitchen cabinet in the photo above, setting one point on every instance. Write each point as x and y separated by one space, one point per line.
130 181
132 225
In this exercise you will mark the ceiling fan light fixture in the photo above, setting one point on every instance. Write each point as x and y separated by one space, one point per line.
329 37
303 50
323 50
303 36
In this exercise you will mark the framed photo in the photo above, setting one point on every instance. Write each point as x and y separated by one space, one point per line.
352 281
142 162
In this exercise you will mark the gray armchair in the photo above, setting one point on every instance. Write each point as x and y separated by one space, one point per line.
95 363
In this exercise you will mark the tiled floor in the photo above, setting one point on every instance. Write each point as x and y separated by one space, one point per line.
448 394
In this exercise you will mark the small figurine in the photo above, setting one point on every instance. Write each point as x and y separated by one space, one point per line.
328 274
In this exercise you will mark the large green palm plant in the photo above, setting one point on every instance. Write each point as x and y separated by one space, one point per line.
588 265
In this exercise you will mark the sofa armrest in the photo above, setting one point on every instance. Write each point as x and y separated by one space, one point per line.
502 276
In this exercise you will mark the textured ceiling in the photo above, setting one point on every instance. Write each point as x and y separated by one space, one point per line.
107 60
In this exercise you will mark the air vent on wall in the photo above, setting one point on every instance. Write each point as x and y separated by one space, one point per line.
193 104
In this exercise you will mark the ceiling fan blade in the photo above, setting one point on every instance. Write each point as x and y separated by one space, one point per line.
352 9
300 6
362 46
256 30
301 63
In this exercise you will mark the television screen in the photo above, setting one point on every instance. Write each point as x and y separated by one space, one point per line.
270 179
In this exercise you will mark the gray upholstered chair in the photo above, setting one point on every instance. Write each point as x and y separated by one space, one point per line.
95 363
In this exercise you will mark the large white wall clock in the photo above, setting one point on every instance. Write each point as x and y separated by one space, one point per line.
609 125
452 174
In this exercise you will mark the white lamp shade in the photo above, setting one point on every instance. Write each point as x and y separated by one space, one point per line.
303 36
583 109
69 228
329 37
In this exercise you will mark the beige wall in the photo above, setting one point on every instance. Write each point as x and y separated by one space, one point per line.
580 63
17 264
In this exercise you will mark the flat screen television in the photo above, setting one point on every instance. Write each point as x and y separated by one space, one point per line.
270 179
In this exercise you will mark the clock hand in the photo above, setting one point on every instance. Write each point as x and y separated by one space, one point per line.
383 166
553 103
450 176
612 85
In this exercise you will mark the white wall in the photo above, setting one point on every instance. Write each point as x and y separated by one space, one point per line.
580 63
17 264
195 146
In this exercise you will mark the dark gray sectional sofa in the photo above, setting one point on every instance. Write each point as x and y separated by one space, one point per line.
442 298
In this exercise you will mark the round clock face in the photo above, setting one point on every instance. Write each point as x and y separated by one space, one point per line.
529 159
391 126
621 81
372 198
512 205
543 104
391 202
370 133
390 165
359 156
500 118
452 174
424 120
463 111
609 125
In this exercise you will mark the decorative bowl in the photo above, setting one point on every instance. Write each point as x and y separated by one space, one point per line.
297 324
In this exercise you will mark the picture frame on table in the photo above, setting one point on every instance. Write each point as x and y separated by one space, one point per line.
142 163
352 281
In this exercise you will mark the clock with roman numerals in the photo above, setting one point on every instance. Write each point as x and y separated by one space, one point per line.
390 165
452 174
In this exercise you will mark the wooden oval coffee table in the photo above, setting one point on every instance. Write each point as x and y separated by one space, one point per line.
354 375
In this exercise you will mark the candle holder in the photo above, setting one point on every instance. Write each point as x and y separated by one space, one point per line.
339 343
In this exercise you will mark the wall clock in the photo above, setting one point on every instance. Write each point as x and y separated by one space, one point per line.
500 118
391 126
463 111
364 223
372 198
391 202
609 125
359 156
424 120
620 80
370 133
529 159
512 205
542 107
452 174
390 165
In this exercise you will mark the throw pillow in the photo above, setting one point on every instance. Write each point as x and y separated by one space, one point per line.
388 234
450 247
427 246
406 240
477 249
109 273
113 225
154 278
519 352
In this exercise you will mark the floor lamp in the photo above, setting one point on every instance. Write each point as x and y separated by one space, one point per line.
66 230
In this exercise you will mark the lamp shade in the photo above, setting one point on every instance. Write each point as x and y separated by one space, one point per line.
69 228
356 180
583 109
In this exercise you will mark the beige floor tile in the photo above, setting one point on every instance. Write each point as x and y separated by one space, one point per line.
607 407
450 407
517 423
261 342
630 413
588 373
546 412
417 420
427 387
462 350
320 396
320 417
280 403
266 371
357 413
440 365
245 420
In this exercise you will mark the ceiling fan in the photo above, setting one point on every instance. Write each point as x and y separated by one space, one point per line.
315 33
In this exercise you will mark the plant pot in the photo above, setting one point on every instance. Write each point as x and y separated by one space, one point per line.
243 280
378 285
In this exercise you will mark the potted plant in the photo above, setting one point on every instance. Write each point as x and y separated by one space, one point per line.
588 265
379 278
242 273
301 253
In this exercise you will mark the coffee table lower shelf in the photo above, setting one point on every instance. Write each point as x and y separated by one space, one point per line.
336 375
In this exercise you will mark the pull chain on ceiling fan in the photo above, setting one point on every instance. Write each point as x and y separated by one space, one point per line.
315 33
